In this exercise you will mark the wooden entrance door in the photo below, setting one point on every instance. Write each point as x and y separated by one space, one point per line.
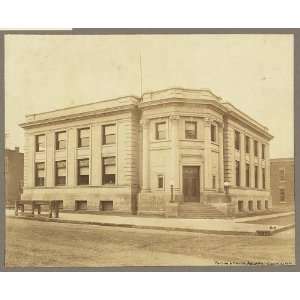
191 184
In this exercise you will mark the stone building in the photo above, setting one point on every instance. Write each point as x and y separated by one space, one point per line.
173 152
282 183
14 174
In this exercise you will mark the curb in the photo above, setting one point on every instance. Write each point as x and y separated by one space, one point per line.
207 231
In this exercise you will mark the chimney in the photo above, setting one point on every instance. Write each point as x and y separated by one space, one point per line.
17 149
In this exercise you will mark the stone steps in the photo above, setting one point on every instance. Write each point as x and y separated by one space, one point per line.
199 211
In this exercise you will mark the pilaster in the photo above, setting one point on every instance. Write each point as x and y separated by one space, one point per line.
174 151
145 155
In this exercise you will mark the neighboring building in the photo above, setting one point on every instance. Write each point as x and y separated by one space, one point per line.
282 183
14 174
152 155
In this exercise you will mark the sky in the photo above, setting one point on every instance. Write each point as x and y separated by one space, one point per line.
253 72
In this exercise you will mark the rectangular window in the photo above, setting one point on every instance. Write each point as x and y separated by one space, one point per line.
258 204
213 133
160 182
247 175
250 205
40 174
190 130
266 204
237 140
240 206
83 137
281 195
255 148
281 174
83 177
109 134
80 205
237 173
60 172
256 176
160 131
40 143
109 170
247 144
263 148
214 182
263 174
60 140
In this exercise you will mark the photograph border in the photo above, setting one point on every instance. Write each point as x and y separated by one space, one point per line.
148 31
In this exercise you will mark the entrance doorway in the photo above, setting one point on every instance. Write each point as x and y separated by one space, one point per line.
191 184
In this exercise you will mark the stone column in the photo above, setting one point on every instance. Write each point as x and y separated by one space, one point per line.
267 166
242 160
251 159
95 157
145 155
207 154
71 157
50 148
174 152
221 157
259 165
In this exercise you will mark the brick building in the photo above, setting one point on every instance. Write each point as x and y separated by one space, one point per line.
165 153
282 183
14 174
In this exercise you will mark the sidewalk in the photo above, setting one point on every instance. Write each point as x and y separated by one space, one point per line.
217 226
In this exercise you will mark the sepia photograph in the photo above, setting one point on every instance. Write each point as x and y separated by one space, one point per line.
149 150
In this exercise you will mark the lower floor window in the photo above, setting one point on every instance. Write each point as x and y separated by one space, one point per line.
80 205
266 204
109 170
258 204
40 174
83 177
250 205
240 206
282 195
60 172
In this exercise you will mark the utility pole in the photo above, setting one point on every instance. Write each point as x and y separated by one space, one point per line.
141 75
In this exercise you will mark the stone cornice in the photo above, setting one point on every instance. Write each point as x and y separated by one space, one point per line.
78 116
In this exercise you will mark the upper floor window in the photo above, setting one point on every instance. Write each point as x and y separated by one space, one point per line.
237 136
263 174
60 172
60 140
83 137
263 148
213 133
109 170
109 134
247 144
255 148
161 131
247 175
40 143
256 177
214 184
281 174
83 177
40 174
282 195
237 173
160 181
190 130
